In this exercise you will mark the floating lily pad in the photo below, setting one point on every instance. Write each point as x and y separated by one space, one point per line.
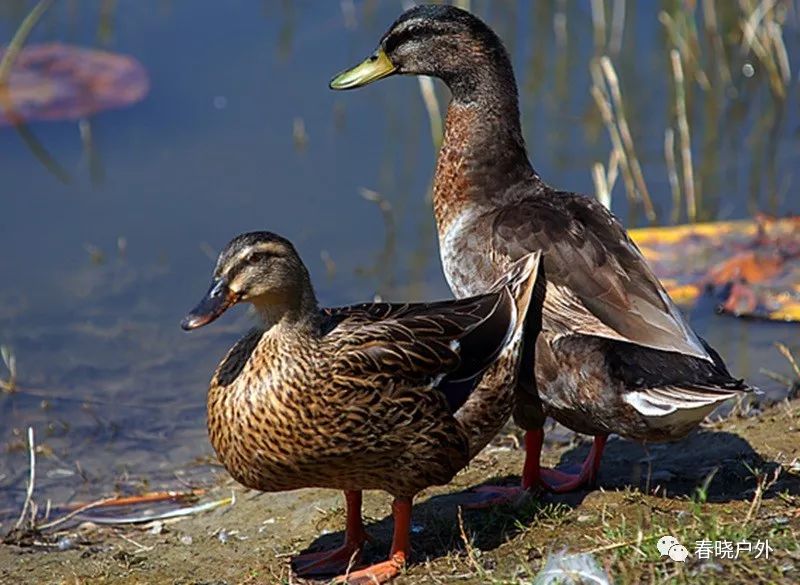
752 267
62 82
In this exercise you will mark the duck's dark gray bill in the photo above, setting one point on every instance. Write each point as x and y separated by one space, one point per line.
217 300
375 67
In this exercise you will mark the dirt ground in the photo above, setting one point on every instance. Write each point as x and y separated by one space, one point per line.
737 480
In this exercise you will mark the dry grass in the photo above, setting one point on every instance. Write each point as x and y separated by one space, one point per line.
791 382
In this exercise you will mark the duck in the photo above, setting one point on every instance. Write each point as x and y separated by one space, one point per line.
374 396
615 355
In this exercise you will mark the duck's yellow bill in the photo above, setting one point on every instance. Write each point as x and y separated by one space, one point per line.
375 67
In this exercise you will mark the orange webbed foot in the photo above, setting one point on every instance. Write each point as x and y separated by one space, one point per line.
346 556
561 482
333 562
487 496
378 573
387 570
534 476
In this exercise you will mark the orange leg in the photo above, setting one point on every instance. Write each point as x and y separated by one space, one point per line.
533 452
562 482
341 559
494 495
401 549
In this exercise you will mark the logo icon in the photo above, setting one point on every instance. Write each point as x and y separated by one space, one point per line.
669 546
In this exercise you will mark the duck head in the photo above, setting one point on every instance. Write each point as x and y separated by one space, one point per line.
261 268
437 40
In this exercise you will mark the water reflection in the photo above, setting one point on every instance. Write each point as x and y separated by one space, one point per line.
114 390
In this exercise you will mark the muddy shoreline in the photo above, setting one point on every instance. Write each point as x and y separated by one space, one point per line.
750 466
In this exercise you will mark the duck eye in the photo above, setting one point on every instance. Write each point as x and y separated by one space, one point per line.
256 257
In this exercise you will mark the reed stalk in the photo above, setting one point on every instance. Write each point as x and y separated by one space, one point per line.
627 139
672 173
428 92
19 38
608 97
712 27
29 506
599 25
601 189
762 33
604 105
617 27
560 24
683 133
685 42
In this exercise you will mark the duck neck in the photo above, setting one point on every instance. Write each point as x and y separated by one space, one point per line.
483 152
289 310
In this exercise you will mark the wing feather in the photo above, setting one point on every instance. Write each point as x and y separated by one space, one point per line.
598 281
444 344
432 344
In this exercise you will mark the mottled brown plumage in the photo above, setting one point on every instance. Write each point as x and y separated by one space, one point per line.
620 358
374 396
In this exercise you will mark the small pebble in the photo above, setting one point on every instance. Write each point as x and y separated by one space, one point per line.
584 518
59 472
264 524
223 536
86 527
186 539
157 527
66 543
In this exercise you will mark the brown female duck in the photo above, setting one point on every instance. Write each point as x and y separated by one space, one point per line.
373 396
615 356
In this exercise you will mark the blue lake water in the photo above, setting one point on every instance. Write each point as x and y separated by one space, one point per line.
240 132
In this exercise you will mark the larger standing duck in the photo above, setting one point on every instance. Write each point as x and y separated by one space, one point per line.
373 396
616 355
